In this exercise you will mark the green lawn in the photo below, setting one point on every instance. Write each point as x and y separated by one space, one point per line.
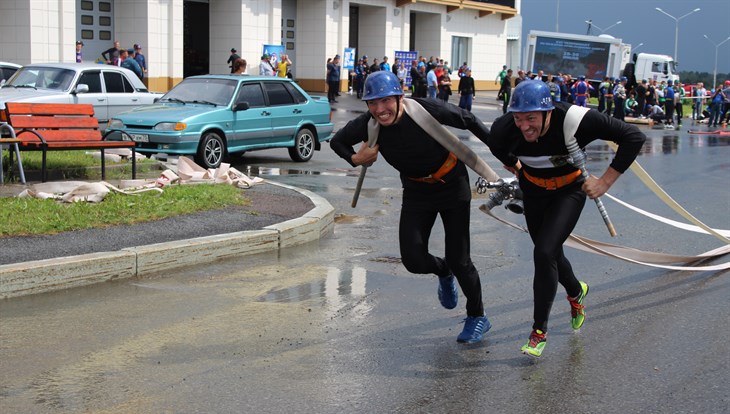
31 216
75 165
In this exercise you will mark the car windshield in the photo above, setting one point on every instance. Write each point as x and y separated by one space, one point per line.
206 91
42 78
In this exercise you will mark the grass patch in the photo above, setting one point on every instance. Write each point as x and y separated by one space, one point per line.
76 165
30 216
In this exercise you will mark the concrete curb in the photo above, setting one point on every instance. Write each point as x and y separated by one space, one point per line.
19 279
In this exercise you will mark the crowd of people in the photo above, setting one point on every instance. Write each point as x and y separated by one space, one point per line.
269 65
131 58
660 101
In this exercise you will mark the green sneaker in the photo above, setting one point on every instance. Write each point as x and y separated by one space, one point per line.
577 309
535 344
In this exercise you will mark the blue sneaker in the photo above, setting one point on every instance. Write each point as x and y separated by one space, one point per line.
474 329
448 295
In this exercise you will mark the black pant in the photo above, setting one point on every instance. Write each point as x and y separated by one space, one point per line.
332 89
417 218
550 220
506 93
618 113
641 106
669 110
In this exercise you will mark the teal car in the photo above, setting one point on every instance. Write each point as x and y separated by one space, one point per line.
211 117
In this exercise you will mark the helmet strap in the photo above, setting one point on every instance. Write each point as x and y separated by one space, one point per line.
544 118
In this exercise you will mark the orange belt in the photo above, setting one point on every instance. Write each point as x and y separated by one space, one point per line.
447 166
552 183
581 94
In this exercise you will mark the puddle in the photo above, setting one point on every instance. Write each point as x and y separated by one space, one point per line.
338 286
257 171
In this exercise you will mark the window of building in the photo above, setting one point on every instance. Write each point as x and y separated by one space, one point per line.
460 51
105 21
87 20
105 6
87 5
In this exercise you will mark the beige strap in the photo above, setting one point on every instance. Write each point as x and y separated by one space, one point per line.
448 140
654 187
442 135
651 259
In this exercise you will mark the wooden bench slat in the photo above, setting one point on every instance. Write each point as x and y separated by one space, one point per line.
64 135
78 145
43 122
15 108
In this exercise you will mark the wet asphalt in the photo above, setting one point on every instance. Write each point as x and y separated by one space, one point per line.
340 326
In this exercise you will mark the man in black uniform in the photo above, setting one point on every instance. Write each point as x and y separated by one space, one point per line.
232 59
529 141
434 183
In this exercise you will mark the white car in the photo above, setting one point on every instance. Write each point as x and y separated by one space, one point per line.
111 89
6 70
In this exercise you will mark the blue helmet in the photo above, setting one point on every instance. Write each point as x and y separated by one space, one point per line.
381 84
581 77
531 95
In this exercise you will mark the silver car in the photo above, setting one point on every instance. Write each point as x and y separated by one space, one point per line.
111 89
6 71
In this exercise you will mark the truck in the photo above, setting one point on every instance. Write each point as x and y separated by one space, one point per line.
594 57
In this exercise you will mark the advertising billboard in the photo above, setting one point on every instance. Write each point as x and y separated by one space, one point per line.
574 57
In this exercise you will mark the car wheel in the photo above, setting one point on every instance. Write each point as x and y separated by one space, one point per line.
303 148
211 151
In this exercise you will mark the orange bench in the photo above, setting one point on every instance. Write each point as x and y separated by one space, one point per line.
53 127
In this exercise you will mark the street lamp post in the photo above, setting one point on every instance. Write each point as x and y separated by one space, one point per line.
676 28
640 45
590 24
717 46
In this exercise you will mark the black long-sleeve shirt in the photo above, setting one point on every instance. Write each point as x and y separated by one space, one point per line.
405 145
548 156
110 54
466 85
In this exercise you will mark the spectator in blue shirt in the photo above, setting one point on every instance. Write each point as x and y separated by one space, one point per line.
128 62
139 57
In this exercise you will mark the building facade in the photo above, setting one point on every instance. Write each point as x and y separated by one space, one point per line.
188 37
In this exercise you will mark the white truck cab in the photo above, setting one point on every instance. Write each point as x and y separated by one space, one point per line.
658 67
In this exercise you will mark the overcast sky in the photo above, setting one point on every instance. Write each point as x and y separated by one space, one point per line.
641 23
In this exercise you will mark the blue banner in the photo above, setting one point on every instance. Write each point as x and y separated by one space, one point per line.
348 58
406 57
